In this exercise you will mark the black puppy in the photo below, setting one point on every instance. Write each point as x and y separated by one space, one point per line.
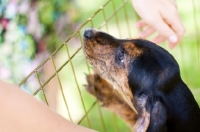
148 77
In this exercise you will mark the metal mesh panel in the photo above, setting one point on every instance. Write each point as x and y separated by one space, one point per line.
118 19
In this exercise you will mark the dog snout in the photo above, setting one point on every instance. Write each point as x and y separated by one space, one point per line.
88 33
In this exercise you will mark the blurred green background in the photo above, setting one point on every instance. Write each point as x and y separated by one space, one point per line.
63 21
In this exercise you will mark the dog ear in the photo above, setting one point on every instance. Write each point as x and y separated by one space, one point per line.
143 74
140 80
155 65
143 81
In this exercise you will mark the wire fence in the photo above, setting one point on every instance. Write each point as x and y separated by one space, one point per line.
116 17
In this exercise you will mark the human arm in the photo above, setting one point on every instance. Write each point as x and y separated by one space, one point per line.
161 16
21 112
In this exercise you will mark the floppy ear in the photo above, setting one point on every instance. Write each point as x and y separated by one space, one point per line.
140 83
143 81
142 77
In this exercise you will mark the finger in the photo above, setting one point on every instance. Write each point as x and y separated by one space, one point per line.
147 32
141 24
159 39
172 45
177 27
175 24
164 30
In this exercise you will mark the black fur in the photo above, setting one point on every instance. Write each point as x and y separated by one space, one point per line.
170 103
156 85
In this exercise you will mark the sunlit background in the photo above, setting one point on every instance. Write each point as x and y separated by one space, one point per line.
38 36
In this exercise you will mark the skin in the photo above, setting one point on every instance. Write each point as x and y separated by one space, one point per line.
161 17
21 112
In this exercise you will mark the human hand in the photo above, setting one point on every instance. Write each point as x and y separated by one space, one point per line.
160 16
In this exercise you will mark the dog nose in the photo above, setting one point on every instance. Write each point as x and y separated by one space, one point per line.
88 33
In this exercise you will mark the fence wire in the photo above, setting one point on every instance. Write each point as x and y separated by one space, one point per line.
117 18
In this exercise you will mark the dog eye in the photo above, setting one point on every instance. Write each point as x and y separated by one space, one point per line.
121 56
98 40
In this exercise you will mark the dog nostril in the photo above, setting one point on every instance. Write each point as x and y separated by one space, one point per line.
88 33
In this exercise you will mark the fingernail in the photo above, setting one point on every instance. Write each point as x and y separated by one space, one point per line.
173 39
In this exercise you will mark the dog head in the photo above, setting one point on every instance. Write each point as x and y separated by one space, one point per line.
135 66
140 69
111 57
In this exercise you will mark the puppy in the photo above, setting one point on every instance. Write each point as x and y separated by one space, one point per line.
148 78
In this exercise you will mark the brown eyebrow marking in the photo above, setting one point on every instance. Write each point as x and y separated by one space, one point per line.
132 50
